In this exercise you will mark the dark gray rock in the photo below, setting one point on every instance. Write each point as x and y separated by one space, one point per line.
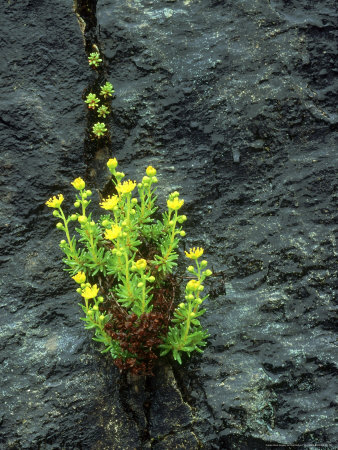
233 103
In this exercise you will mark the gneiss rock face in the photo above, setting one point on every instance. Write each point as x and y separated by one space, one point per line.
232 102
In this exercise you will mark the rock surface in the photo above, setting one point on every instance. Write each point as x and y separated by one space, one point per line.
233 103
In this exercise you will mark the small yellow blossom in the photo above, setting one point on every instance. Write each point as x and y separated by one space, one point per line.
79 184
112 163
90 292
55 202
175 203
113 233
126 187
110 202
194 253
80 277
193 285
150 171
141 264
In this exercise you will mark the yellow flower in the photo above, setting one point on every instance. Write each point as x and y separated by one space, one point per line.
80 277
110 202
79 184
193 285
55 202
90 292
113 233
126 187
194 253
141 264
175 203
112 163
150 171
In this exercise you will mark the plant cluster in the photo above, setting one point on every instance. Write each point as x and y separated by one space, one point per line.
101 104
124 266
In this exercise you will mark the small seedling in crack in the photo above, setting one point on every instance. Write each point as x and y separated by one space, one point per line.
94 59
103 111
107 90
99 129
92 101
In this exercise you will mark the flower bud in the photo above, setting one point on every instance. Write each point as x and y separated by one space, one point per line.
79 184
140 284
191 269
56 213
95 308
92 223
154 179
73 217
105 223
201 287
145 180
151 172
207 273
182 233
112 164
63 243
132 212
171 223
134 201
204 263
181 305
59 226
141 264
198 301
139 185
84 195
79 290
181 219
192 314
77 204
190 297
100 299
151 279
101 317
85 202
89 193
82 219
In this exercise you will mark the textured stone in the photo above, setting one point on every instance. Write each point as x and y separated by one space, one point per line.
233 103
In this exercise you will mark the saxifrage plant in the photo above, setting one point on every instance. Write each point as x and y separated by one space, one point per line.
124 266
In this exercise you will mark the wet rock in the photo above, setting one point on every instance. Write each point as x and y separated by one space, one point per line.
233 103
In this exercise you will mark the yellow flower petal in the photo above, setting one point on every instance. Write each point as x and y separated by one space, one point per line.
194 253
80 277
175 203
90 292
110 202
55 202
126 187
113 233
